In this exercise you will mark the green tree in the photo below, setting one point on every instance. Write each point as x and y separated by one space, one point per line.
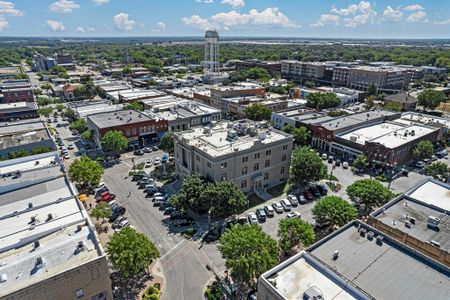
43 101
223 198
135 105
131 252
323 100
59 107
46 111
302 136
78 92
249 252
295 234
372 90
127 70
101 211
360 162
438 170
307 166
69 113
87 135
114 141
189 194
79 125
258 112
167 143
430 99
370 102
46 86
368 193
393 106
423 150
334 210
37 92
85 171
288 129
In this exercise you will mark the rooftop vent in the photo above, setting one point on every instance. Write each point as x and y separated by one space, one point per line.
433 222
380 240
49 217
36 244
335 254
435 243
3 277
33 219
39 263
80 246
30 205
370 235
412 221
313 293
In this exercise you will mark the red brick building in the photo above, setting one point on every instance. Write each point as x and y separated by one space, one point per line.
135 126
14 95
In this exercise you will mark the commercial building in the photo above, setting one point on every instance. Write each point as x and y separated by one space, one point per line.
49 248
273 67
302 71
68 91
419 218
250 154
241 89
24 135
64 59
18 111
387 143
128 96
346 95
356 262
135 126
181 114
404 100
85 108
16 91
10 72
238 105
294 117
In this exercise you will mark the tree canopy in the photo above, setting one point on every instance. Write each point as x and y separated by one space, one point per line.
437 170
101 211
135 105
131 252
85 171
423 150
307 166
114 141
334 210
249 252
167 143
251 73
323 100
79 125
295 234
360 162
430 99
258 112
368 193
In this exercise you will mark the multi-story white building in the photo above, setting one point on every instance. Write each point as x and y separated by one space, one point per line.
252 155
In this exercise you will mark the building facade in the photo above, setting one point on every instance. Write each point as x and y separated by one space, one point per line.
252 155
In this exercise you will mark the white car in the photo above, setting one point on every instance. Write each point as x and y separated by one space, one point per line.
277 207
324 156
157 161
252 218
66 156
293 214
121 225
148 164
345 165
286 204
293 200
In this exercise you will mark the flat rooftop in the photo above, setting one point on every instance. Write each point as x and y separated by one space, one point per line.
386 270
138 94
173 108
29 163
84 109
216 143
389 134
424 119
21 126
117 118
23 138
433 193
42 208
340 123
18 106
398 213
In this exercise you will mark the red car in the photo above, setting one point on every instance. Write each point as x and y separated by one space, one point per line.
308 195
106 198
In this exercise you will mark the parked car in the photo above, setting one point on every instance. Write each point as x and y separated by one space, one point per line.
169 210
106 198
66 156
70 147
322 188
312 189
148 163
261 214
277 207
330 159
301 199
337 163
171 158
442 153
122 224
100 186
293 199
287 206
270 212
138 152
117 221
345 165
147 150
427 161
252 218
117 212
293 214
433 158
137 177
419 164
183 222
157 161
324 156
155 148
242 220
307 194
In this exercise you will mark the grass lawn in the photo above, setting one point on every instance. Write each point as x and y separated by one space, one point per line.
278 190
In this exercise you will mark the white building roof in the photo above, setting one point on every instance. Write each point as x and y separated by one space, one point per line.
432 193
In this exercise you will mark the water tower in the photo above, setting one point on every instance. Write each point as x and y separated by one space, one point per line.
212 63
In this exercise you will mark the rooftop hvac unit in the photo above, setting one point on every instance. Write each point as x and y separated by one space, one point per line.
49 217
353 138
313 293
370 235
380 240
412 220
3 277
435 243
30 205
433 222
36 244
362 232
39 263
80 246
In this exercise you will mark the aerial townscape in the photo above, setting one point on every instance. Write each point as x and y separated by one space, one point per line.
224 150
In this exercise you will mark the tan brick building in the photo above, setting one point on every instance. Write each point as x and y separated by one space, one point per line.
252 155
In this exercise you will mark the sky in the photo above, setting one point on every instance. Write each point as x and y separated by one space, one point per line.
262 18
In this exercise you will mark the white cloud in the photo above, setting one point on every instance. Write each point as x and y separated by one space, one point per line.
123 23
91 29
355 14
391 14
8 8
413 7
418 16
3 23
80 29
197 21
326 19
443 22
161 27
234 3
55 25
101 2
64 6
204 1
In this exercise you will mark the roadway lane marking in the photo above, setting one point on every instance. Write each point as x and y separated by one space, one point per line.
173 249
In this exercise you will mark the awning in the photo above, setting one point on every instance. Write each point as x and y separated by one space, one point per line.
82 197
